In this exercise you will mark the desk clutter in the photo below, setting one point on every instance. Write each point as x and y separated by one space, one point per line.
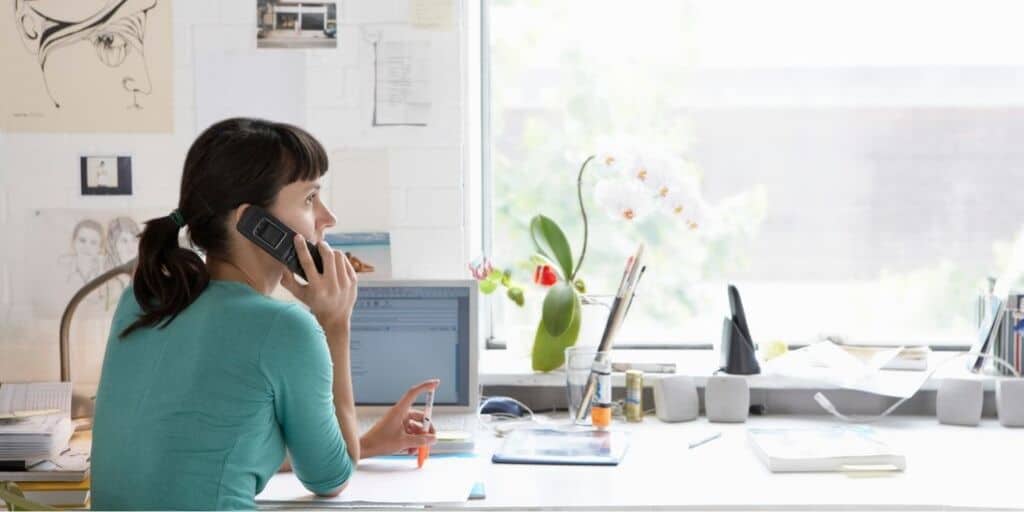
36 449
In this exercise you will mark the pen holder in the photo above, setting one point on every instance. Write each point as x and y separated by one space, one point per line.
675 398
727 398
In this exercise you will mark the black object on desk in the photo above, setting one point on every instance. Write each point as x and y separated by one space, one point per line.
738 356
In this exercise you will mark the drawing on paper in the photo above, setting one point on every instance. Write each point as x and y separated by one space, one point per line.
116 31
75 247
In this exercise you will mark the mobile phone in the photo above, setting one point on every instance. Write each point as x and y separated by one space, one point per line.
273 236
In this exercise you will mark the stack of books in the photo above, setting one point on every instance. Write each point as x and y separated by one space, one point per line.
36 447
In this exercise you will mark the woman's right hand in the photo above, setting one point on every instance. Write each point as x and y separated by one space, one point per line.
330 296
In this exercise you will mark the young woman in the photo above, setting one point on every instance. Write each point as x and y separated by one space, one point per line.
206 380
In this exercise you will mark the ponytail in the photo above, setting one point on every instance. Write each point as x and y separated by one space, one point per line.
168 277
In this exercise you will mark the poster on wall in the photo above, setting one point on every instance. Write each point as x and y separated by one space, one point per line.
86 66
73 247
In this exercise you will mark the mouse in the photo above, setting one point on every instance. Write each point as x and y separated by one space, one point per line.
503 406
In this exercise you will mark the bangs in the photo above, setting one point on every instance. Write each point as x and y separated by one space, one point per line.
304 158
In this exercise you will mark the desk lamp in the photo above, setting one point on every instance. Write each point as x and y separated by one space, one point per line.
82 405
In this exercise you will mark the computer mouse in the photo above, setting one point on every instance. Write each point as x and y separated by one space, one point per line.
503 406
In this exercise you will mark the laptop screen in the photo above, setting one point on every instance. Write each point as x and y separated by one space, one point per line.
403 335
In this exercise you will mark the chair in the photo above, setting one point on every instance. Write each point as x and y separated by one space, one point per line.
15 499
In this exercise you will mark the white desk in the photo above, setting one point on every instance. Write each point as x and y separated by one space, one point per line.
947 467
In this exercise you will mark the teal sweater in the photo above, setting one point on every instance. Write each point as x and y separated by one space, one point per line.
197 415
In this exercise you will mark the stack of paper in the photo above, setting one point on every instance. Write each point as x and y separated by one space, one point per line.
839 448
35 422
395 480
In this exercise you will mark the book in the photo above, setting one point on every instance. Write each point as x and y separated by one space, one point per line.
62 494
835 448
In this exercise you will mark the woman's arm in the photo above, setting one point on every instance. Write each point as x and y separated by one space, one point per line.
338 341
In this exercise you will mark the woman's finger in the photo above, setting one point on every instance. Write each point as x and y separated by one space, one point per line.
418 440
339 263
306 260
410 396
350 271
327 257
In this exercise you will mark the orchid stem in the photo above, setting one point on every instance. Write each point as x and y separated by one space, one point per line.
583 212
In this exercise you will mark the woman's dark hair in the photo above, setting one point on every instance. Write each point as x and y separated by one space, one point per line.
233 162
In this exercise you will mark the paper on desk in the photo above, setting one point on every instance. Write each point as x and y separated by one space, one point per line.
388 480
825 362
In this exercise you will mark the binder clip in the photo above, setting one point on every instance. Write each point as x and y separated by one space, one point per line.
738 353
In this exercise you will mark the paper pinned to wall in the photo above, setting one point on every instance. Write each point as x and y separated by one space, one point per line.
401 82
87 66
432 14
361 190
71 248
388 480
270 85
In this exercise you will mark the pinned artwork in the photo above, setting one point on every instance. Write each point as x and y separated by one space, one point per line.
87 66
73 248
106 175
290 24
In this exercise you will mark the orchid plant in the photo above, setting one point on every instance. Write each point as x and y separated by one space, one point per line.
631 185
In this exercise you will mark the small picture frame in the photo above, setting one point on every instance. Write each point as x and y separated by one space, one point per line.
106 175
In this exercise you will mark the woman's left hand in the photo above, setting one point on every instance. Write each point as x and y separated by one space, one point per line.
401 428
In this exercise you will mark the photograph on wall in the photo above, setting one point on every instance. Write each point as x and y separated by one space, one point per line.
296 24
87 66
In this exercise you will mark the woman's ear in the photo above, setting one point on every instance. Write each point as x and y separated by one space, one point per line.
236 214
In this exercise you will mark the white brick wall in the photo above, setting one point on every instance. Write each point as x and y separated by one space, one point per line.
420 173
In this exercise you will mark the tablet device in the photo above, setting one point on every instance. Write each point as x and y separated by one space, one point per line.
574 448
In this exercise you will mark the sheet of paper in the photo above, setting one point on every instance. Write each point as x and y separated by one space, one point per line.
824 362
35 396
401 83
432 14
388 480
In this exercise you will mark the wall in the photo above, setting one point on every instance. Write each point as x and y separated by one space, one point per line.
420 173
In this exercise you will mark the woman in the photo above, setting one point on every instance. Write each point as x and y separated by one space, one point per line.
207 380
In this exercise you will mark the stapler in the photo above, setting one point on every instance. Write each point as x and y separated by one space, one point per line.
738 353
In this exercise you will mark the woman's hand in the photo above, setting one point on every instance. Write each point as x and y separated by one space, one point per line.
401 428
331 295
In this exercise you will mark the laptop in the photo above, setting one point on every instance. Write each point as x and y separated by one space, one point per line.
405 332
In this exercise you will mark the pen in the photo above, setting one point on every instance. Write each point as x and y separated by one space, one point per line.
424 451
708 439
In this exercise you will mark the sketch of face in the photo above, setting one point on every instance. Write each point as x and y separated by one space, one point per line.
87 240
101 41
122 240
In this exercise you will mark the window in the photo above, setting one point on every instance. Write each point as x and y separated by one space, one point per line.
863 157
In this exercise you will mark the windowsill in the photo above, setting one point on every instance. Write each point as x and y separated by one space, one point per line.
506 368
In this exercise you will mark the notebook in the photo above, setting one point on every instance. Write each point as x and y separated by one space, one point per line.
576 448
834 448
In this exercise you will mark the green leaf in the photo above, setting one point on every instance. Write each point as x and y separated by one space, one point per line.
551 242
549 351
516 294
558 308
487 286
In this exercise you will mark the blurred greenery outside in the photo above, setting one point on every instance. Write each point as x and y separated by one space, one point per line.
542 131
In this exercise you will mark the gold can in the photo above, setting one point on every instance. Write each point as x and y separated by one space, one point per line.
634 396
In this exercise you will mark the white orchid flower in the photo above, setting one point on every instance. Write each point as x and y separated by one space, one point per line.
684 203
623 199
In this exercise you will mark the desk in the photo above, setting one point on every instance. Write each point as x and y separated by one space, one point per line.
947 467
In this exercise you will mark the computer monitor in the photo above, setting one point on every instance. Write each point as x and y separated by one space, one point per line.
405 332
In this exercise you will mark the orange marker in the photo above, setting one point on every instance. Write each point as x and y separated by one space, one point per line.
424 451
